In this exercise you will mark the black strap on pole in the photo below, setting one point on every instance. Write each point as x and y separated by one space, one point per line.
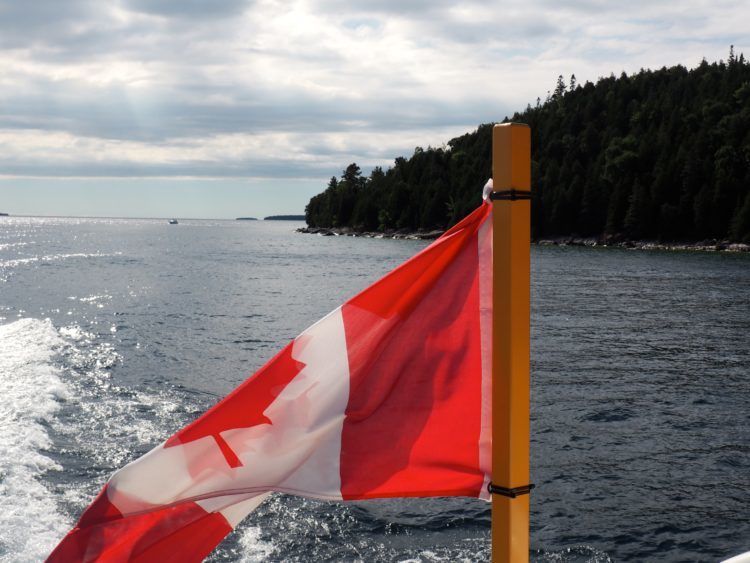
511 195
510 493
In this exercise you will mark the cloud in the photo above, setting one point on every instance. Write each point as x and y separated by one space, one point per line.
268 155
390 8
190 9
258 88
43 12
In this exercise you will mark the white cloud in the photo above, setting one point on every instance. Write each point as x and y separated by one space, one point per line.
49 154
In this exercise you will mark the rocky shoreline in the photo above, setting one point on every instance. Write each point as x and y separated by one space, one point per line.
618 241
403 234
609 241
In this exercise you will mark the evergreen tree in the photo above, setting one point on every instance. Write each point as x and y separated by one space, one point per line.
560 88
661 154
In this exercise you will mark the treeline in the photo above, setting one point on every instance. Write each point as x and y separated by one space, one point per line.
661 154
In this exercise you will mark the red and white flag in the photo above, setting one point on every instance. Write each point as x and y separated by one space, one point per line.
387 396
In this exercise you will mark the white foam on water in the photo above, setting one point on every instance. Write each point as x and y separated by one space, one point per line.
8 266
108 422
12 263
40 367
480 550
30 524
574 554
254 549
57 383
12 245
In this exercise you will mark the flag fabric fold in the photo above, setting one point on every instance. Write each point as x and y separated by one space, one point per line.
386 396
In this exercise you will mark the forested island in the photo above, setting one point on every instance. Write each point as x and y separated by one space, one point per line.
658 155
284 218
246 219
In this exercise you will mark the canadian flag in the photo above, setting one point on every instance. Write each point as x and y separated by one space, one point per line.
387 396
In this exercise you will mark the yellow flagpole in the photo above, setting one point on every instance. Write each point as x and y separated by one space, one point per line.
511 174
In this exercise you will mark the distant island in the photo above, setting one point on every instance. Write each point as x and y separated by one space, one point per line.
658 155
284 218
245 219
3 214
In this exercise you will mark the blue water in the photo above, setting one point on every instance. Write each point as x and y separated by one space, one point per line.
114 333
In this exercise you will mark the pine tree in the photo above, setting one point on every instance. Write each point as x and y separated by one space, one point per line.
662 153
559 88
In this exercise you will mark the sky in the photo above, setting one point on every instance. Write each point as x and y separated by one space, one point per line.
226 108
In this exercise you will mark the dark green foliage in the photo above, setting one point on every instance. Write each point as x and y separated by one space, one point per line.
661 154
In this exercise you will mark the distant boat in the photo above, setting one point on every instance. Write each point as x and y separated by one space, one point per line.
173 222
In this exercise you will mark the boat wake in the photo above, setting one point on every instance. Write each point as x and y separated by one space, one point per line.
66 426
32 395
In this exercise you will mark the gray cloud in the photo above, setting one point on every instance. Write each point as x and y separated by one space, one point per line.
277 168
115 112
25 15
169 77
43 22
69 30
388 7
190 8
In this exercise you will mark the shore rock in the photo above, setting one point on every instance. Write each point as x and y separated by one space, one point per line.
402 234
611 240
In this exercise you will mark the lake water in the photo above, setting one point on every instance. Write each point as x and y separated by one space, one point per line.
115 333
